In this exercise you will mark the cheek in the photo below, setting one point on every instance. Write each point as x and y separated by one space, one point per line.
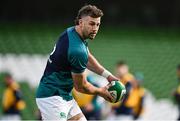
97 28
88 29
85 30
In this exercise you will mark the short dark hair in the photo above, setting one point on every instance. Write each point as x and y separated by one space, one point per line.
120 63
88 10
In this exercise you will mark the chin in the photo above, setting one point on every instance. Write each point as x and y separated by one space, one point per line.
92 37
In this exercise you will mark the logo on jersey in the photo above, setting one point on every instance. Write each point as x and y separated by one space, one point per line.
62 115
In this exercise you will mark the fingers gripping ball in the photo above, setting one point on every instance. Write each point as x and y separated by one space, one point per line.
117 91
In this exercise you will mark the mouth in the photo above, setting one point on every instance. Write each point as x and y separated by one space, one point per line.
93 34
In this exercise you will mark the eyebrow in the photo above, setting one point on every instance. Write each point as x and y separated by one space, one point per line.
94 22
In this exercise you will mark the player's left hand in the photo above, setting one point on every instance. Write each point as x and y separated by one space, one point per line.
112 78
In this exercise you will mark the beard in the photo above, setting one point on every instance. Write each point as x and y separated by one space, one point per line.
92 36
88 35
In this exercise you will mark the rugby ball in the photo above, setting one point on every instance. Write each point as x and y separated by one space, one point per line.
117 90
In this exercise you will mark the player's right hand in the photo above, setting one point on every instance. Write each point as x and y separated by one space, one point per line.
105 93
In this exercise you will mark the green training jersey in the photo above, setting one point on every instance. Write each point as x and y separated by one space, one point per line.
70 54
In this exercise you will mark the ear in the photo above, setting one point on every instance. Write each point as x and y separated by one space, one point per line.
80 21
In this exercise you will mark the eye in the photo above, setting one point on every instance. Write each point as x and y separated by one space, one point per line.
92 23
98 24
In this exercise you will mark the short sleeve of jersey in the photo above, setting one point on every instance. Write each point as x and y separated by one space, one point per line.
78 62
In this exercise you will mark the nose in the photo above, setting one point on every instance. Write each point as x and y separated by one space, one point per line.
95 29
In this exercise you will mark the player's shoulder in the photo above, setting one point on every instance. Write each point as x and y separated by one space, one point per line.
66 33
77 52
70 31
74 37
63 35
62 39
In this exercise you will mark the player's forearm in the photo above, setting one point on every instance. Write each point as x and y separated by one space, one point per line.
82 85
88 88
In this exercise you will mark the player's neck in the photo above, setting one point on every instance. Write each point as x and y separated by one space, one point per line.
78 30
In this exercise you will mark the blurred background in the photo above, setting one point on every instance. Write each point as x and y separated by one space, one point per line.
144 34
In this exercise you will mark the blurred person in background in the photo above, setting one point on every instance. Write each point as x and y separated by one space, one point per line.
132 105
123 110
12 101
138 95
89 103
122 71
66 67
177 91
